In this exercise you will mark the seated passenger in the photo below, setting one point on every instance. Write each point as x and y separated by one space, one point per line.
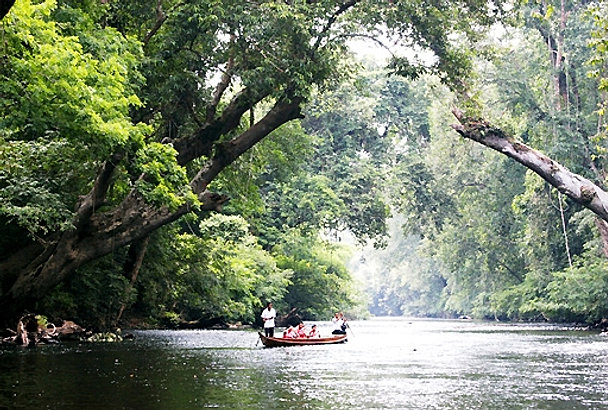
290 333
314 332
301 331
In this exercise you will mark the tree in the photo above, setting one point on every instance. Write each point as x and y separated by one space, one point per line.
576 187
138 183
144 108
581 189
222 274
320 284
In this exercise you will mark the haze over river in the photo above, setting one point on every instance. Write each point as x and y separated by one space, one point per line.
386 364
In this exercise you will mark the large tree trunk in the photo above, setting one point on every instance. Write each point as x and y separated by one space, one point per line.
576 187
29 274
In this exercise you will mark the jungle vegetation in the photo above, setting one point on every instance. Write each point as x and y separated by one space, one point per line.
184 162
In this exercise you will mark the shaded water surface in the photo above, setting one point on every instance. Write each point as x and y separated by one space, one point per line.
387 363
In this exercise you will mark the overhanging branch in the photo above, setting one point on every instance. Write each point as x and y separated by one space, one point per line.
576 187
201 142
282 112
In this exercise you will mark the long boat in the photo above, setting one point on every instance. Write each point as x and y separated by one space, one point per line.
279 341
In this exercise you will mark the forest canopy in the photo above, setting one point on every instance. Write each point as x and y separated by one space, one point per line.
179 162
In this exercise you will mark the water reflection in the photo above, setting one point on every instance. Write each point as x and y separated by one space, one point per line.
387 363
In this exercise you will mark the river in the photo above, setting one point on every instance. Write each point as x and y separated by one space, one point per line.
386 364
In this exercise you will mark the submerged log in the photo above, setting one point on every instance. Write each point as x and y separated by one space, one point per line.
30 332
70 331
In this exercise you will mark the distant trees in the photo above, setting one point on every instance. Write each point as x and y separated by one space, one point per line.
511 245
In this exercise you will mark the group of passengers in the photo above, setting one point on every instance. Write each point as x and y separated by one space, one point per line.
301 331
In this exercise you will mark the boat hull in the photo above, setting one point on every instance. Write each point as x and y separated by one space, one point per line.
279 341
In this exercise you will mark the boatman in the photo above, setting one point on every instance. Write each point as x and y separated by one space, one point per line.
268 316
340 325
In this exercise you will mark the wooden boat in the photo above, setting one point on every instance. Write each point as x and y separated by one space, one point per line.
279 341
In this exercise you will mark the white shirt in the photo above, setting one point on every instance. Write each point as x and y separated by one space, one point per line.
269 315
337 323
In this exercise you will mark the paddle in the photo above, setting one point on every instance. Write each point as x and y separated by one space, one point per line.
259 338
351 330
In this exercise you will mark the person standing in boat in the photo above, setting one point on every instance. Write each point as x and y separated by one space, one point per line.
339 322
268 316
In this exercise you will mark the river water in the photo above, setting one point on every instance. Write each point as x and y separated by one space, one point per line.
386 364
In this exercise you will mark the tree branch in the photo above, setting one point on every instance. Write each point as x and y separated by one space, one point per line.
201 142
369 37
220 89
134 218
90 202
344 7
576 187
160 19
281 113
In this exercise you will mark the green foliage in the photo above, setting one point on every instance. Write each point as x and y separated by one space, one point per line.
599 43
418 196
275 160
577 294
445 31
62 87
222 274
597 61
307 203
65 105
321 285
352 155
414 190
170 320
31 181
165 182
518 302
542 235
